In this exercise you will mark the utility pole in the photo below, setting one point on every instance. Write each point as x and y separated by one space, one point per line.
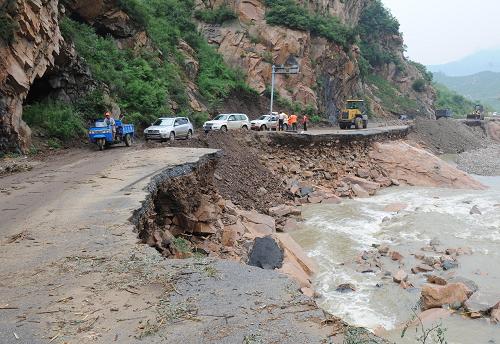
293 69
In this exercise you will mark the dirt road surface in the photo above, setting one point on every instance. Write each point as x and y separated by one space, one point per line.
73 271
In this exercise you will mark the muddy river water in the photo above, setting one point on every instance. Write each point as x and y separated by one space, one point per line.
337 234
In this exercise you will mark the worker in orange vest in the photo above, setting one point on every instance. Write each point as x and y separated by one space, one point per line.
293 122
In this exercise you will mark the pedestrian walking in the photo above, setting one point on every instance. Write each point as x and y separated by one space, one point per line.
305 119
285 121
281 120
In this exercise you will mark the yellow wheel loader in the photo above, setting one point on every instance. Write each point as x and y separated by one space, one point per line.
477 114
353 114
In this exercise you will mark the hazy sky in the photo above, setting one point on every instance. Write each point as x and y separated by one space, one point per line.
440 31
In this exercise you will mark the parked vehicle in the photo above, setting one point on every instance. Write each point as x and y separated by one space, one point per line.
102 135
444 113
225 122
264 122
354 113
169 128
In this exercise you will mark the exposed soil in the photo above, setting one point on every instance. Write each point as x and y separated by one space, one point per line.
447 136
240 176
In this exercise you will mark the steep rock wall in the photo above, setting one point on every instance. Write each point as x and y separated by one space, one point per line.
329 75
35 45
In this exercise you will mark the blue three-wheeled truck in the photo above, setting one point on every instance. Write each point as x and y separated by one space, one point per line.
102 135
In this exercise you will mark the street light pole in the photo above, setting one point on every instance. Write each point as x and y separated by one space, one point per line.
294 69
272 91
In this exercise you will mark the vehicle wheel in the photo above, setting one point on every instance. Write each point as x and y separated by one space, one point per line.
128 140
365 124
263 127
100 144
146 139
172 136
245 127
189 135
223 128
342 126
358 123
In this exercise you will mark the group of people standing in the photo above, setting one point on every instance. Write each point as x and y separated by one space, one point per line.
291 121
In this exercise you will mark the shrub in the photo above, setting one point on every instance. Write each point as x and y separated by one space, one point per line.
423 70
217 15
390 96
58 120
419 85
7 28
375 24
293 15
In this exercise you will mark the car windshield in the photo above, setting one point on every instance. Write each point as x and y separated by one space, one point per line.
100 124
221 118
263 117
164 121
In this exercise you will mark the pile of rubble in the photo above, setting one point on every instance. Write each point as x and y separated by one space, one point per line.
186 217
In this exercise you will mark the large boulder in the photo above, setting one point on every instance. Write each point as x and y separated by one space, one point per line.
435 296
266 254
369 186
415 166
482 302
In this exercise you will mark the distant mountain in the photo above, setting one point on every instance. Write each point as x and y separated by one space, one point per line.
487 60
483 86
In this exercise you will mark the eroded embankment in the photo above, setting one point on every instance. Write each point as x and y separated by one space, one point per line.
184 216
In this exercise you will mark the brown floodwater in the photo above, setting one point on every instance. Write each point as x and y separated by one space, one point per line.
335 235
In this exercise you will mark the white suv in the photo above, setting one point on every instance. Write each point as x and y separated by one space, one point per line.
224 122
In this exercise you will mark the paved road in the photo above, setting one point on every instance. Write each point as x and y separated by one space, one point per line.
59 223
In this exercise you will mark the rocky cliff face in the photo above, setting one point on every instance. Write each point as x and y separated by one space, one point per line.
33 50
329 75
37 63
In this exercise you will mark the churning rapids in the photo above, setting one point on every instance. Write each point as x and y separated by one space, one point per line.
335 235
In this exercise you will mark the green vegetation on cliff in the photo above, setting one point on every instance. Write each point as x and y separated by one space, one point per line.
390 97
216 15
293 15
8 25
376 25
146 84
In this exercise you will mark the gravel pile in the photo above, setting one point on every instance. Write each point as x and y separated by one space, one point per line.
447 136
484 162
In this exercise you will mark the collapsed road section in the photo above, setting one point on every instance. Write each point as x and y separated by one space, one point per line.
73 269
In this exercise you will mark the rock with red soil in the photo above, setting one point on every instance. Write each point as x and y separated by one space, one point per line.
284 210
415 166
495 315
436 296
436 280
368 186
400 276
421 268
359 191
396 256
